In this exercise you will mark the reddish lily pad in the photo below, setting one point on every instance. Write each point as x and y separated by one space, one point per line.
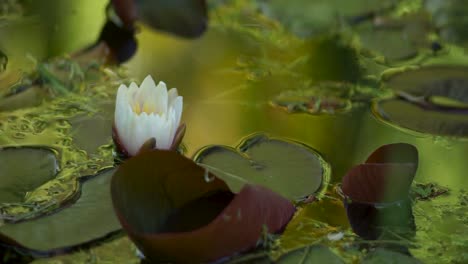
82 223
291 169
385 177
175 210
377 192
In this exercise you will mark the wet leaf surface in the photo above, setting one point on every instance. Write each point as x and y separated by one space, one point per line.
23 169
410 116
90 218
262 160
174 206
311 254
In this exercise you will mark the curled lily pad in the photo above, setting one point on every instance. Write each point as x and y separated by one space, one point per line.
89 219
376 192
432 81
23 169
411 116
175 210
386 176
291 169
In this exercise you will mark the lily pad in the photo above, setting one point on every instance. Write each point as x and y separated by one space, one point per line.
311 254
414 117
388 257
386 176
308 18
376 192
89 219
169 205
291 169
431 81
23 169
91 132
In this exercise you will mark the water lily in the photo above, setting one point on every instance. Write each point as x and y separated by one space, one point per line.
149 113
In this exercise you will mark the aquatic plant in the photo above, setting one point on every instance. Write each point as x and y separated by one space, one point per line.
145 112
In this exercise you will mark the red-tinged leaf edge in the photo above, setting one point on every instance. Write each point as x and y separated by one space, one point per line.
402 153
378 183
158 197
386 176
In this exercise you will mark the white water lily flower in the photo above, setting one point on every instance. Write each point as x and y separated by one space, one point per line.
149 111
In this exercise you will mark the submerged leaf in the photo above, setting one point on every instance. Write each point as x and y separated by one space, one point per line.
90 218
291 169
23 169
168 207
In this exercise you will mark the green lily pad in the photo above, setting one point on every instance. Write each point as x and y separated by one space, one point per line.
432 81
411 116
308 18
90 218
23 169
311 254
383 256
291 169
91 132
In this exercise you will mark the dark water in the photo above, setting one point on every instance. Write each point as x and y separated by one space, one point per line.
228 79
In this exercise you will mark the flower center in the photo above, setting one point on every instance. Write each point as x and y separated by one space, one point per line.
138 108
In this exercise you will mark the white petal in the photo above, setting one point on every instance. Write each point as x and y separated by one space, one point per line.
177 106
146 89
172 95
161 98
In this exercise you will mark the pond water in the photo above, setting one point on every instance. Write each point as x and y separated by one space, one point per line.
256 69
